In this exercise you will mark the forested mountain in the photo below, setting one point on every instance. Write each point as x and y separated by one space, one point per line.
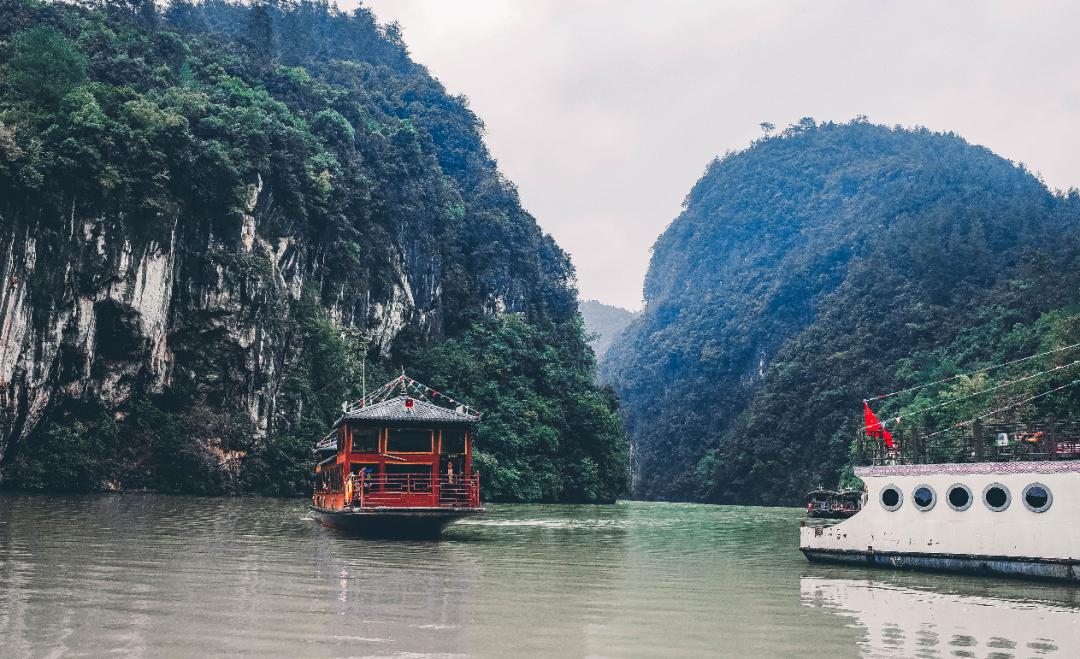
824 265
603 322
213 214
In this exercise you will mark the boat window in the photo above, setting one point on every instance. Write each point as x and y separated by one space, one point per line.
891 498
328 479
924 497
453 441
365 440
959 497
996 497
409 441
1037 497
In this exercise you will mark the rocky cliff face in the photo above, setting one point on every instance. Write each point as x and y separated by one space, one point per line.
210 219
94 313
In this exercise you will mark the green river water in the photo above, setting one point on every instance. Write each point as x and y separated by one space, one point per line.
146 575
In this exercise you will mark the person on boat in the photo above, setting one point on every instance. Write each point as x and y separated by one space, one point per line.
365 478
349 490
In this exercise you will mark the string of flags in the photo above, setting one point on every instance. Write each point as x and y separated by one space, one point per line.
425 391
975 372
1007 407
418 389
875 427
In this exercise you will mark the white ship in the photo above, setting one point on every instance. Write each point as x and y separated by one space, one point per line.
1001 500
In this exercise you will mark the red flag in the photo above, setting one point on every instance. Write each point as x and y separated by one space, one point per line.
875 428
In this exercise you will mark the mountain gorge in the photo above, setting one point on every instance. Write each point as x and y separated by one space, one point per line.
822 265
603 322
216 218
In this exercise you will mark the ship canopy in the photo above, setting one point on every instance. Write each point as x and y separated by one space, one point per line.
408 410
403 402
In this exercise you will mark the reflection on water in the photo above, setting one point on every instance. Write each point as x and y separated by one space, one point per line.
172 576
899 621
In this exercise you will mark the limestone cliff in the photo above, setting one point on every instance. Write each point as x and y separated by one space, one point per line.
213 220
93 312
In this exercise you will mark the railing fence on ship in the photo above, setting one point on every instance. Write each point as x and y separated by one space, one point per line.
415 490
983 440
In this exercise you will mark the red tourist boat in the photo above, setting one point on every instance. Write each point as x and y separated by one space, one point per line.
398 463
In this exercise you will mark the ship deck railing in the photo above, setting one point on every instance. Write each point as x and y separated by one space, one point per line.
982 441
416 491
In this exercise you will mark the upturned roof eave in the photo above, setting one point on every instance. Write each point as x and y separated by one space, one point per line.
383 423
396 412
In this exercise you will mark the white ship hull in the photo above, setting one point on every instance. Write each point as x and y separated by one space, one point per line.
1013 540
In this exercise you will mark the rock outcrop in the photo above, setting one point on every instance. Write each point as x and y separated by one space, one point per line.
96 313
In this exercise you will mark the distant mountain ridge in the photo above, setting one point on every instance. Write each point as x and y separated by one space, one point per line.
603 322
816 267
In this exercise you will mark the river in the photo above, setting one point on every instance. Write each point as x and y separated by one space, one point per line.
147 575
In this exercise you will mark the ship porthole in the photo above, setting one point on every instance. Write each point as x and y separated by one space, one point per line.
959 497
996 497
891 498
924 497
1037 497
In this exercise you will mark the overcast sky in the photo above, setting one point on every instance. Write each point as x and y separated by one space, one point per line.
605 112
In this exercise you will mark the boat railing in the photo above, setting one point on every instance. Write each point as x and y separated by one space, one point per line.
982 441
416 491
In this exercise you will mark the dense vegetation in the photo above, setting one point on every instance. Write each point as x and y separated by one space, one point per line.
548 431
824 265
603 322
167 122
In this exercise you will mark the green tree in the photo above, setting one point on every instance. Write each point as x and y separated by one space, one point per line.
44 66
260 34
547 433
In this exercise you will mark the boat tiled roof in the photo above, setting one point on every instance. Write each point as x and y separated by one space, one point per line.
397 410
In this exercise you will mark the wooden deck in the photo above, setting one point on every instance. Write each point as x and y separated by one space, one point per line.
406 491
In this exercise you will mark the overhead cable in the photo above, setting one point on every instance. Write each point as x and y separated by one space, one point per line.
969 373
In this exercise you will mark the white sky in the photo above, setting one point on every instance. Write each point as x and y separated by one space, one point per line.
605 112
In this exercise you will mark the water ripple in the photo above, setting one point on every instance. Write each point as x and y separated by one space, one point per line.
142 575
